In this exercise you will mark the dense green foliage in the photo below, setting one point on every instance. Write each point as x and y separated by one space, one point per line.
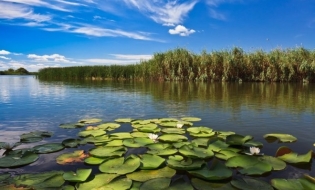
19 71
229 65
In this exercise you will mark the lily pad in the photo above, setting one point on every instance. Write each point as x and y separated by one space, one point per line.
276 163
191 119
34 136
195 152
151 161
201 141
94 133
172 138
121 184
48 148
163 152
99 139
98 181
250 184
123 120
172 124
94 160
286 184
226 154
139 134
294 158
281 137
120 165
67 158
156 184
90 121
184 164
200 184
109 126
180 184
117 142
108 151
19 159
237 139
80 176
121 135
217 146
173 131
71 125
71 143
201 132
217 171
149 129
250 165
145 175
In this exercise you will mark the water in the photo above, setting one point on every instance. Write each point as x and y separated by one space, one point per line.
27 104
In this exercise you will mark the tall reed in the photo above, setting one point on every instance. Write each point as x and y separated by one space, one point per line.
278 65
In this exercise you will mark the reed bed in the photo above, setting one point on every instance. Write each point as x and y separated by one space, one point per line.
289 65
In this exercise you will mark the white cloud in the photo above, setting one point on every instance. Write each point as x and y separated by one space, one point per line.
166 13
181 30
48 58
4 52
132 57
17 11
216 15
4 57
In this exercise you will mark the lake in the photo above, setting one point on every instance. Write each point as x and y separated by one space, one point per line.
27 104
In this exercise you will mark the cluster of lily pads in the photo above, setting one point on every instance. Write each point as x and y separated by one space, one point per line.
155 154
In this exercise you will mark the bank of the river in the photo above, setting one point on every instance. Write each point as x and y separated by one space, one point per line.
290 65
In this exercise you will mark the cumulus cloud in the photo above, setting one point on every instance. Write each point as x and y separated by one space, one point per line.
132 57
181 30
48 58
4 52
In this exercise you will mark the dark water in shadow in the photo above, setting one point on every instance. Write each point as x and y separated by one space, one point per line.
27 104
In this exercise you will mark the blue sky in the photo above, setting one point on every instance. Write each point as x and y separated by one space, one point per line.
57 33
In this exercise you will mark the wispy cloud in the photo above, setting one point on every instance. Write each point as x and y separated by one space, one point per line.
181 30
4 57
216 15
216 3
48 58
163 12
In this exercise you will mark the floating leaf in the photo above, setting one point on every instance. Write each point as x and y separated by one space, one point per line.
217 145
276 163
48 148
98 181
121 135
280 137
251 165
201 141
137 142
139 134
251 143
99 139
250 184
184 164
156 184
121 184
237 139
217 171
67 158
226 154
294 158
180 184
120 165
173 131
117 142
192 119
195 152
108 151
34 136
172 138
123 120
151 161
286 184
80 176
201 132
71 125
145 175
71 143
163 152
206 185
108 126
18 159
90 121
94 160
94 133
172 124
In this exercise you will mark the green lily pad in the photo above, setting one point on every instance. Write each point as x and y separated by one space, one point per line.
124 120
120 165
108 126
200 184
139 134
251 165
191 119
276 163
94 160
226 154
137 142
293 157
159 146
48 148
149 129
178 163
117 142
108 151
195 152
180 184
163 152
67 158
145 175
224 134
141 122
19 159
34 136
307 182
172 138
201 141
237 139
217 171
151 161
71 143
80 176
121 135
281 137
156 184
250 184
99 139
90 121
172 124
180 144
173 131
121 184
94 133
98 181
251 143
286 184
217 146
71 125
201 132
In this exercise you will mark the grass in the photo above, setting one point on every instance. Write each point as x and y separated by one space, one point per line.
289 65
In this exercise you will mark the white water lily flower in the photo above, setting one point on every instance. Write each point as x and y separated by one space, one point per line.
179 125
254 150
153 137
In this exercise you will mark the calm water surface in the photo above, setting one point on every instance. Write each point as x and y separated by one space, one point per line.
27 104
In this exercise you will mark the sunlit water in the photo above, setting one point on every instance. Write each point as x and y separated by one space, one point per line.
27 104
